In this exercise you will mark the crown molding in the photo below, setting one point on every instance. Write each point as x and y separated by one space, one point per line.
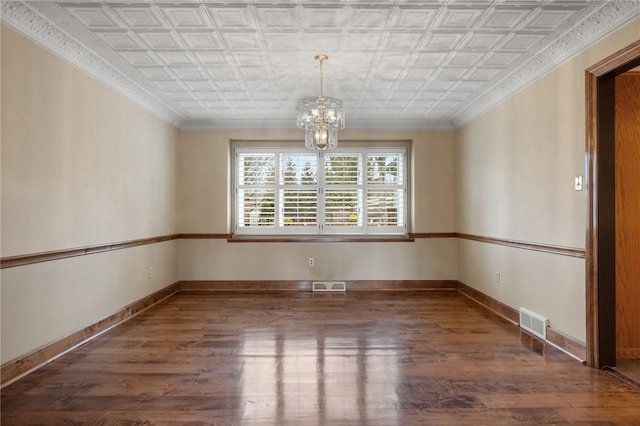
30 23
609 17
590 29
282 124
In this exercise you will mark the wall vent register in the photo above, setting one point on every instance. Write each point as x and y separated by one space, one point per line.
533 323
329 286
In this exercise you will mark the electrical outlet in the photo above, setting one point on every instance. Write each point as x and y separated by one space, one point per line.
578 183
312 261
150 272
497 277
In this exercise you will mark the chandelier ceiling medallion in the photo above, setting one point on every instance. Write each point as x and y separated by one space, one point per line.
321 117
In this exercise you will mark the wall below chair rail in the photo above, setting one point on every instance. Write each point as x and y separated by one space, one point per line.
548 284
216 259
45 302
103 284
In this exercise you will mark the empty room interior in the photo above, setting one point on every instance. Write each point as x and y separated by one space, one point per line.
333 212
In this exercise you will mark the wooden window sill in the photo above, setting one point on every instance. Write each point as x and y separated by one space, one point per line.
320 239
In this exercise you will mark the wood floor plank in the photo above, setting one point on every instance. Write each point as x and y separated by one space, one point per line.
281 358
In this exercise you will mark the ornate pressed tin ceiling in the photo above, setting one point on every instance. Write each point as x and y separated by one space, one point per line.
403 64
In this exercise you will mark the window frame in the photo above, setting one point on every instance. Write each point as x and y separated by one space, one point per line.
321 227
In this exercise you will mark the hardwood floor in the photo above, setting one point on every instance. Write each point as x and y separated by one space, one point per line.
278 358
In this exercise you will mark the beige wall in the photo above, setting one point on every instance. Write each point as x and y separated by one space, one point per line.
516 166
204 208
81 165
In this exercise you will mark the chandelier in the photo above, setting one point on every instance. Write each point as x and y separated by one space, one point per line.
321 117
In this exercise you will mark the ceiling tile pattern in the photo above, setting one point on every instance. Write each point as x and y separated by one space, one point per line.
433 64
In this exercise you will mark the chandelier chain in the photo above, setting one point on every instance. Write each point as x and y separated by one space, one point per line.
321 78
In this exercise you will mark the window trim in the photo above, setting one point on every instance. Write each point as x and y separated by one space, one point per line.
316 232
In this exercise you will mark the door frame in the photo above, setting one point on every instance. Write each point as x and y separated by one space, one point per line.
600 179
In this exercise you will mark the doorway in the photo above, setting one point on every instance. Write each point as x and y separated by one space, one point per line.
602 331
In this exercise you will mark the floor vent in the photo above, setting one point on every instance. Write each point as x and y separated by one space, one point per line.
329 286
533 323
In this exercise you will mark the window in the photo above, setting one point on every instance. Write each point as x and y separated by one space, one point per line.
349 191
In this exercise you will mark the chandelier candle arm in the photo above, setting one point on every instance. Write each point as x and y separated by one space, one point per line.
321 117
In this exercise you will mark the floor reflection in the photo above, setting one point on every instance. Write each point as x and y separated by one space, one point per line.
327 379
